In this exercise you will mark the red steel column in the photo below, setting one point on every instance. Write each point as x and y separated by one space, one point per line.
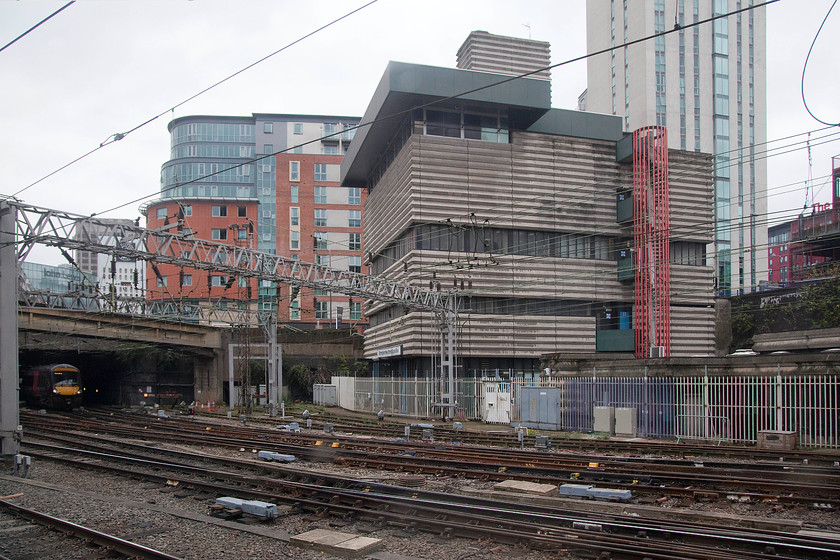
651 236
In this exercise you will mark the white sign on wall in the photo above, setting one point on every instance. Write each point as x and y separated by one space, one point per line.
389 352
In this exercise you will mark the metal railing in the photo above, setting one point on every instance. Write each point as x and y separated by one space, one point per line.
722 408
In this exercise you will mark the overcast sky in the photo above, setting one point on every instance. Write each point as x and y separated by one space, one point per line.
102 67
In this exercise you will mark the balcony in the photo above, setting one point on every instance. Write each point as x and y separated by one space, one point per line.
614 340
624 207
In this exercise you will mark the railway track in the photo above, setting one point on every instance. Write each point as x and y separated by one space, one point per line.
413 510
509 438
31 534
542 526
778 482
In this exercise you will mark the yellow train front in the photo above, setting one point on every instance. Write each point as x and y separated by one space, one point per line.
55 386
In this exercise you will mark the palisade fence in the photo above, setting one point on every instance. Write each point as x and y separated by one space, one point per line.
706 407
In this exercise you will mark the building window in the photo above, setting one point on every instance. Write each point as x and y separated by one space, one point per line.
355 310
321 310
330 150
187 209
320 240
268 127
294 310
219 234
241 234
355 264
268 148
161 282
297 149
320 217
489 128
320 195
219 211
295 240
354 196
294 194
323 260
298 128
320 171
294 216
218 280
242 211
355 242
186 280
330 128
355 218
161 213
294 171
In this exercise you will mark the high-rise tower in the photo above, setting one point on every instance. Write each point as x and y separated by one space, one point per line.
707 85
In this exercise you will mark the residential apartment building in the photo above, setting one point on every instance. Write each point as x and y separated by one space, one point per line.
221 184
515 206
323 225
707 85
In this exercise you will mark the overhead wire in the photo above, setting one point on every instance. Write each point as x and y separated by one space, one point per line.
805 67
566 62
120 135
447 98
37 25
529 211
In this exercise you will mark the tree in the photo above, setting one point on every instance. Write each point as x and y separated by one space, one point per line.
302 378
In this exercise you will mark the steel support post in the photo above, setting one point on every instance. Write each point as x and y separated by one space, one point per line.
274 375
448 318
9 413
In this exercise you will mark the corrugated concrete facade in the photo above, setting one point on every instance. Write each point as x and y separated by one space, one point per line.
485 52
538 182
514 205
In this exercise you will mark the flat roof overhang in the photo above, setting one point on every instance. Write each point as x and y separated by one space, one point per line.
404 87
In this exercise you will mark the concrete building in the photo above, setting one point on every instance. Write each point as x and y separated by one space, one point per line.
221 183
87 261
56 279
707 85
520 208
121 279
807 246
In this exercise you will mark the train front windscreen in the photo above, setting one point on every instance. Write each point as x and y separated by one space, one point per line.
67 381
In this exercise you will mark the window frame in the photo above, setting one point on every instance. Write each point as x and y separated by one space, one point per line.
319 194
219 211
320 217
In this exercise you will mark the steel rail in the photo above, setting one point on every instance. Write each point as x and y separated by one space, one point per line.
485 520
540 512
546 468
104 540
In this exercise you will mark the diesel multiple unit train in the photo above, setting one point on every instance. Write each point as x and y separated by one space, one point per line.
53 386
